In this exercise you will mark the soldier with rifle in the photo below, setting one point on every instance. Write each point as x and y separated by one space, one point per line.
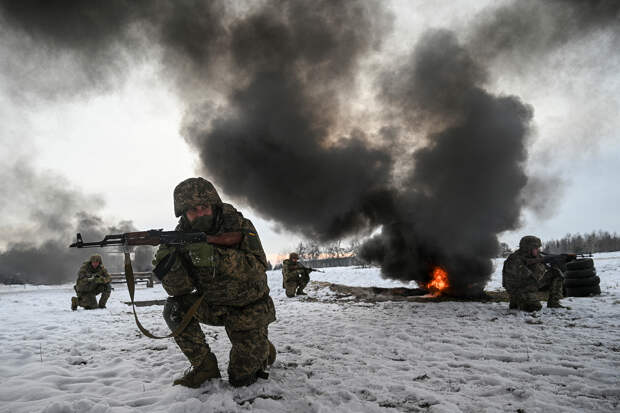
528 270
213 269
93 279
295 276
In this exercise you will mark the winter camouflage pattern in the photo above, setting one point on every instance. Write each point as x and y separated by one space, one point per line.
234 284
295 277
193 192
91 282
523 278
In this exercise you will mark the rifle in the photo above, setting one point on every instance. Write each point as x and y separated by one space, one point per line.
151 237
312 270
555 260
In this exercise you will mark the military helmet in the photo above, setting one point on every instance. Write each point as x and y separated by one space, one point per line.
293 256
193 192
529 242
96 258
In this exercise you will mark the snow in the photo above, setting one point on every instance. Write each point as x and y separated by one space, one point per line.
334 355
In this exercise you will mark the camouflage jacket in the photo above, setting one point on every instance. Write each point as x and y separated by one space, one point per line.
232 276
89 277
291 269
519 274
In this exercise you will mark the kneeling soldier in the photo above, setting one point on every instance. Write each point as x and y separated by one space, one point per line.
92 279
295 276
524 274
228 273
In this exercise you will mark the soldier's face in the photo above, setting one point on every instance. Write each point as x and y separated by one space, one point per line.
198 211
535 252
94 264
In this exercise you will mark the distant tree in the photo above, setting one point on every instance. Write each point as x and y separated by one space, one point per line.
313 250
269 266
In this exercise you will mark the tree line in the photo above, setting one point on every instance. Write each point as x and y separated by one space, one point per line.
596 241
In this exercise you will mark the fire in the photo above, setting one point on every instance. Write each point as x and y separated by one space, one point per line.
439 280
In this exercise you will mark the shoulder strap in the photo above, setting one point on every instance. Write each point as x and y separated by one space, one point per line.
131 286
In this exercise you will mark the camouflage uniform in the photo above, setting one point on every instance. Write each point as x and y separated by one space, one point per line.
234 282
92 281
295 276
524 275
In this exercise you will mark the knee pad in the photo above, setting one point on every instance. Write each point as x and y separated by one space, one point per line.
173 313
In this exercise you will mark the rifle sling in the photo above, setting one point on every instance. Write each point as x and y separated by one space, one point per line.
129 278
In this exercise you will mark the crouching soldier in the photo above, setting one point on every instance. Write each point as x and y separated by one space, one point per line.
93 279
295 276
524 274
227 275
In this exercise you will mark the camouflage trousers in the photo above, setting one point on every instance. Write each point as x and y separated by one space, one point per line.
295 284
246 327
526 298
89 300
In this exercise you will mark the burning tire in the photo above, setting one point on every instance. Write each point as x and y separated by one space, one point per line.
581 282
583 291
572 274
580 264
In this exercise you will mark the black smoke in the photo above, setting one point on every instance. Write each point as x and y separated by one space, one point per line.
270 87
465 185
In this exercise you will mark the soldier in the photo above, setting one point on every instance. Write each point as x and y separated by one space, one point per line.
295 276
227 273
92 279
524 274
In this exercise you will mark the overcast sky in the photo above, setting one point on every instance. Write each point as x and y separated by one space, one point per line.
124 145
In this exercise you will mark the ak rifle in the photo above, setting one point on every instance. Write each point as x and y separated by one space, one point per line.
151 237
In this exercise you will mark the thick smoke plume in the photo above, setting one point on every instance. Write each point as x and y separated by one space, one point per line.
267 85
466 182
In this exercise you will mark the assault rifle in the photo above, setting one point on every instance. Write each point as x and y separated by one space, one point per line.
312 270
150 237
555 260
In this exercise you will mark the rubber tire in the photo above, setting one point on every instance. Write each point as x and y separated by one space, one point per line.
582 282
583 291
580 264
575 274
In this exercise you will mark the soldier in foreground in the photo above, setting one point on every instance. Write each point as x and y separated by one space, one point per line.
227 273
295 276
93 279
524 274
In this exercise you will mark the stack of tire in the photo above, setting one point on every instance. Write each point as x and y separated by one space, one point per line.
580 279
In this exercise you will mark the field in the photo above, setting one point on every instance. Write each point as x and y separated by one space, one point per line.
336 353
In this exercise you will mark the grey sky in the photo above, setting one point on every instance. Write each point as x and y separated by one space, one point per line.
124 144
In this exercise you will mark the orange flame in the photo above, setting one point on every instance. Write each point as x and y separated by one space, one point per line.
439 280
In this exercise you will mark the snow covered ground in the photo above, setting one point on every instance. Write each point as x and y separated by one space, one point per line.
333 355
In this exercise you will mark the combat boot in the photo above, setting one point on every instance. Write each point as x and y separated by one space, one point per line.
555 304
301 292
74 303
199 374
514 304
